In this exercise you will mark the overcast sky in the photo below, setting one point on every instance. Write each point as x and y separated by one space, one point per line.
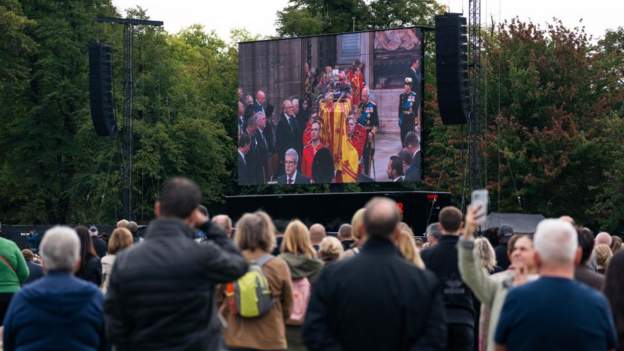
259 16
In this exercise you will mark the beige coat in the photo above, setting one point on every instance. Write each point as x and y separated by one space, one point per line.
267 332
107 265
490 290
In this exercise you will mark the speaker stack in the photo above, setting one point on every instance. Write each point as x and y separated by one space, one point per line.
101 89
452 68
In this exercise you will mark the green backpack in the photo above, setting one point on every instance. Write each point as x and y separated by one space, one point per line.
250 296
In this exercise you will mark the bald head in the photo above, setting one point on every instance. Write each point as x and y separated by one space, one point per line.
567 219
381 217
364 93
603 238
317 233
224 222
260 97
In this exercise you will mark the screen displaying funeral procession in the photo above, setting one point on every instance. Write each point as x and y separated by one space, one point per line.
342 108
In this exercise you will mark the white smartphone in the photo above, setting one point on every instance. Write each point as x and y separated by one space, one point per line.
480 198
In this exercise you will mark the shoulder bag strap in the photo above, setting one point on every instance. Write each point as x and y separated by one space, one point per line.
7 263
263 259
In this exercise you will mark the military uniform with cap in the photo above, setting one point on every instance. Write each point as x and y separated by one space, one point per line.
369 118
407 110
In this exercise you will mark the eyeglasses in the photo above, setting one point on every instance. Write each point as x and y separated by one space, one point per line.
290 162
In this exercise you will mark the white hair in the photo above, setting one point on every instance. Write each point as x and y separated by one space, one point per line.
60 249
292 153
556 242
257 116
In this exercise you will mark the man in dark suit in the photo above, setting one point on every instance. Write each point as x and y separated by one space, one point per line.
243 168
241 118
269 135
252 156
300 115
258 105
414 171
262 148
288 134
414 73
292 176
376 300
395 169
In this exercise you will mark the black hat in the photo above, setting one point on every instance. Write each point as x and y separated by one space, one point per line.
505 232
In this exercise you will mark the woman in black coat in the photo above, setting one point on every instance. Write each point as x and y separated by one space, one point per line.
90 267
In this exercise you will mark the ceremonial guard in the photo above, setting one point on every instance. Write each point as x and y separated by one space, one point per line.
369 119
408 109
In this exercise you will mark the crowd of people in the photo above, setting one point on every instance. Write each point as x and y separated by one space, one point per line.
200 283
328 134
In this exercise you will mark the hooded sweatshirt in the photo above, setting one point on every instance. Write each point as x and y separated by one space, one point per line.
302 266
57 312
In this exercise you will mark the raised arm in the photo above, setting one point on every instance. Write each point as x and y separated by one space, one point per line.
221 261
475 276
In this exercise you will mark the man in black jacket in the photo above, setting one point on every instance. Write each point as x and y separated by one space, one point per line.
160 295
458 300
244 166
291 174
376 300
288 135
413 172
262 143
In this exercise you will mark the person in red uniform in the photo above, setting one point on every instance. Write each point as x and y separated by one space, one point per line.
357 135
356 77
310 150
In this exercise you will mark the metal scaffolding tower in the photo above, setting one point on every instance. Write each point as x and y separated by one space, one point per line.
126 164
474 123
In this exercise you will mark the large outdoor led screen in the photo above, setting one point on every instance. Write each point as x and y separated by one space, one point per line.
331 109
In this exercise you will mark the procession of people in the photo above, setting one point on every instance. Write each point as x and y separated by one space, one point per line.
328 135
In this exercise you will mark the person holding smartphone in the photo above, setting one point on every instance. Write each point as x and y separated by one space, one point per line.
491 290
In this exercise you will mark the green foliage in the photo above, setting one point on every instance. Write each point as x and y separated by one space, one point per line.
553 121
308 17
298 21
15 45
553 116
401 13
53 169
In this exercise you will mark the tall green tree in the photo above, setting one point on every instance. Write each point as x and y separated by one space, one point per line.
544 143
53 169
401 13
47 111
307 17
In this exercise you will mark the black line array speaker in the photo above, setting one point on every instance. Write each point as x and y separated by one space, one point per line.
101 89
452 68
